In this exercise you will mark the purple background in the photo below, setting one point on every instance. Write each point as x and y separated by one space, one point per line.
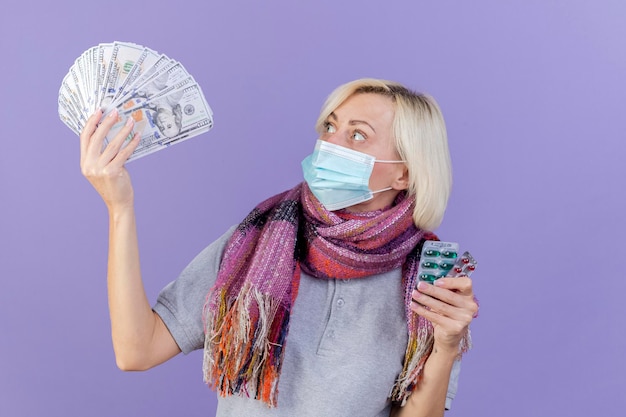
532 92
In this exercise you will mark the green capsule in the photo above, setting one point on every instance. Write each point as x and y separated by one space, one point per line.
427 277
431 265
446 266
432 252
449 254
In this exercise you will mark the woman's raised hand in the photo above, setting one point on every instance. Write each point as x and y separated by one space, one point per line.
104 169
449 305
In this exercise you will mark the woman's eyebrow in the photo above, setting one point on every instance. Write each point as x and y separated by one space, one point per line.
356 122
333 116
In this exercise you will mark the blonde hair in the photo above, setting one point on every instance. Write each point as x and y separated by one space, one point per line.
420 137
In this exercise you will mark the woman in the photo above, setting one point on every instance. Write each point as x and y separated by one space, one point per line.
309 306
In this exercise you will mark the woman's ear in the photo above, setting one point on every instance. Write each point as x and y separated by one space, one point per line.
402 180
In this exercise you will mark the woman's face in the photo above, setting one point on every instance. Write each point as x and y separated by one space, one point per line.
364 123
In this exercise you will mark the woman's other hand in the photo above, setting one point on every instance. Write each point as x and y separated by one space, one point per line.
449 304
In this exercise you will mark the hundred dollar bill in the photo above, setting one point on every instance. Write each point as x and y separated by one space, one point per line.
197 118
81 68
110 76
146 96
165 102
92 67
163 63
77 90
105 50
168 120
175 78
65 104
146 59
69 94
67 118
124 57
162 82
151 146
79 73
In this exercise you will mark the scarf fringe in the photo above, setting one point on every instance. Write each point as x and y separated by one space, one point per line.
243 350
247 312
419 348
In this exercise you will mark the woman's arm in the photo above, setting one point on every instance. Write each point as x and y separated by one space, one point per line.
140 339
450 306
429 397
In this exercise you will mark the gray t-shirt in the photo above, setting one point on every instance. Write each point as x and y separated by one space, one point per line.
344 350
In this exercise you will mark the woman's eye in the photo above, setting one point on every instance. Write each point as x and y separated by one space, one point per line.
358 136
329 128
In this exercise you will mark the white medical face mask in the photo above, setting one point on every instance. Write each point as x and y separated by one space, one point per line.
339 177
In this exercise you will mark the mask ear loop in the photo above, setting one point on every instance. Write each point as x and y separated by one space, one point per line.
380 191
384 161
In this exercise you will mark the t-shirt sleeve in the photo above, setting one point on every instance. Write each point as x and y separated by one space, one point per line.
453 384
181 302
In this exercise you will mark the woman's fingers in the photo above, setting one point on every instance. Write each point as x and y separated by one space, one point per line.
88 131
123 155
93 157
456 291
437 308
112 151
96 139
462 284
456 301
104 168
451 325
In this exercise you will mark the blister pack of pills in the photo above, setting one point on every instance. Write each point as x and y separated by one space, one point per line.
441 259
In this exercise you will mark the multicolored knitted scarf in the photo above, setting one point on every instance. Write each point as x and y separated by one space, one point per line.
247 311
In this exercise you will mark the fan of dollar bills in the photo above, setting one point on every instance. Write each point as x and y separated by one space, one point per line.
165 102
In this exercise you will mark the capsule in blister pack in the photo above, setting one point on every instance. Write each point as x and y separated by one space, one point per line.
465 265
437 259
441 259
